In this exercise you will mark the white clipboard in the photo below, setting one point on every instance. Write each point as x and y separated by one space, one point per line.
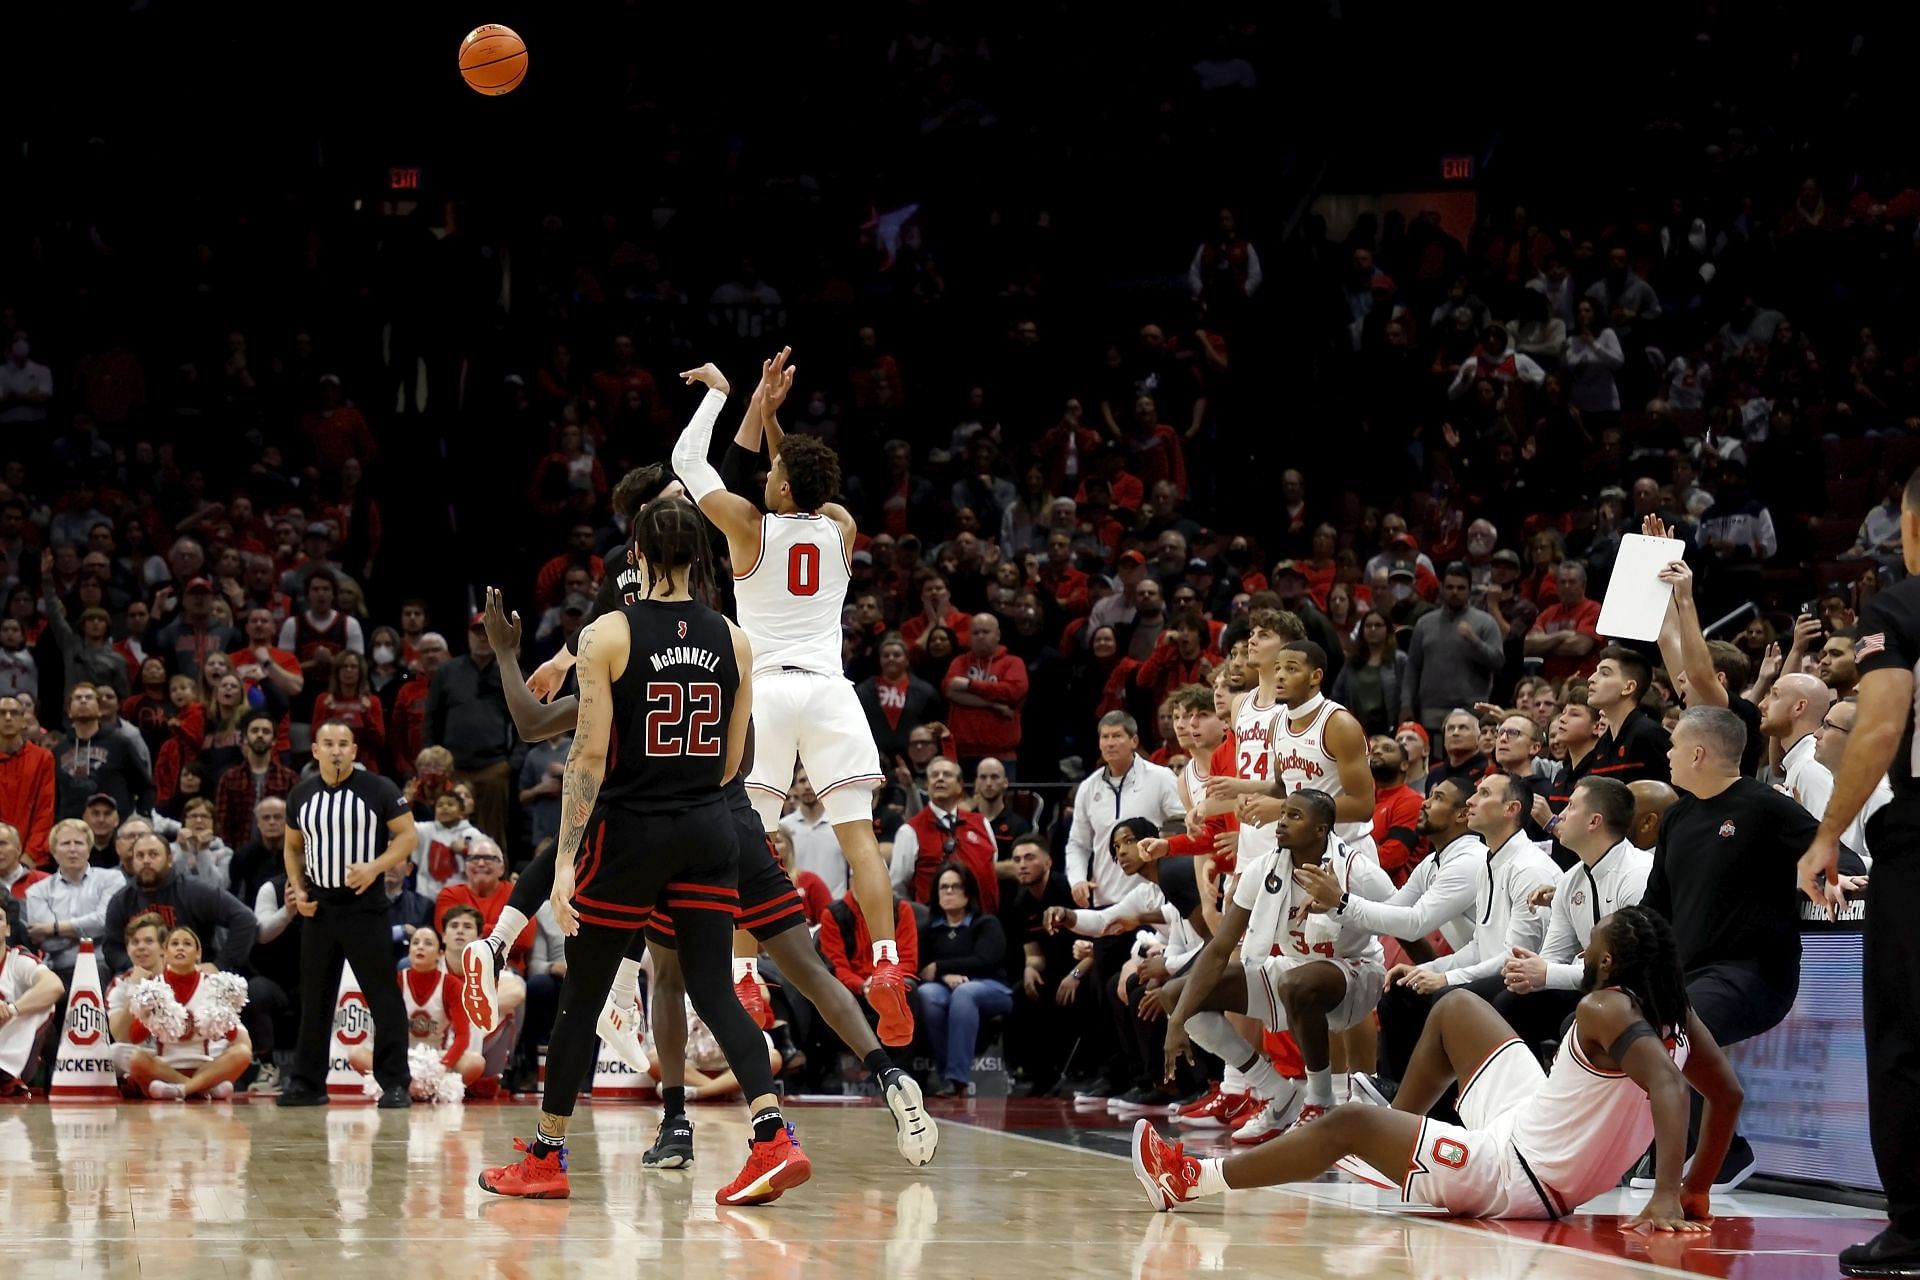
1636 601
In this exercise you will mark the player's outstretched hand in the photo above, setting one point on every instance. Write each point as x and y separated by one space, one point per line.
707 375
776 379
1665 1212
503 632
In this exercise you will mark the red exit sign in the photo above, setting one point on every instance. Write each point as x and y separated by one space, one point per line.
404 178
1456 168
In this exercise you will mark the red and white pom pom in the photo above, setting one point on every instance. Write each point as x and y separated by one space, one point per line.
432 1082
152 1002
226 995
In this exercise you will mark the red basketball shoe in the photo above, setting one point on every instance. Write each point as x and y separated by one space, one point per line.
1167 1173
534 1178
1218 1110
753 1002
887 993
775 1166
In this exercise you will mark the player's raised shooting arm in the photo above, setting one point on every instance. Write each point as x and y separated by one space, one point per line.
741 723
600 646
738 518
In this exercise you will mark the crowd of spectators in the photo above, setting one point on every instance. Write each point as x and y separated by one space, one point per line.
224 521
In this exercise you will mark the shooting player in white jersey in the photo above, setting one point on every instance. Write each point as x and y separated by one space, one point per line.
791 566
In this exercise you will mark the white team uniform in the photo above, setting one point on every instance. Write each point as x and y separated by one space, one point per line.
1253 729
190 1055
789 601
1533 1144
426 1019
1302 760
19 971
1275 943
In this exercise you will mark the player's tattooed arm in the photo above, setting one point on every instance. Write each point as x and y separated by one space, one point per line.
587 760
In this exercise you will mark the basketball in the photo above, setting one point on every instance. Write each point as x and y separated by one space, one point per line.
493 59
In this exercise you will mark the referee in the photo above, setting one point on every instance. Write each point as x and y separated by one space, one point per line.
344 829
1882 745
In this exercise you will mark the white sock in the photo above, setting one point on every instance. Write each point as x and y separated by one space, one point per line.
746 967
884 951
165 1091
1320 1087
1267 1083
1235 1081
1213 1178
507 928
1342 1087
626 984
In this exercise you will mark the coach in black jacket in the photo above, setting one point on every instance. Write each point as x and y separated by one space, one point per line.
201 907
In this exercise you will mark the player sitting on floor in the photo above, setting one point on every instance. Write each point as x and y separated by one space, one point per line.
1531 1144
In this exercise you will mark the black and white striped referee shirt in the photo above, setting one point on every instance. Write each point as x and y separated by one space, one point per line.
343 825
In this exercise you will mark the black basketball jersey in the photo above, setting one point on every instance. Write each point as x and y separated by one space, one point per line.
671 708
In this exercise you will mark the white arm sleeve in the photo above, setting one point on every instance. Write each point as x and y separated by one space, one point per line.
691 449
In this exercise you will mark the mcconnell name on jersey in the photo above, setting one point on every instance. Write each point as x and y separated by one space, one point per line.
685 655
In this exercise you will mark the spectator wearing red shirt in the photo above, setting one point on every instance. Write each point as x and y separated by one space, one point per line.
350 699
1567 635
986 689
943 831
622 376
1179 658
1396 809
848 946
408 726
336 430
264 662
1066 449
1066 584
815 897
1154 452
1111 484
936 610
486 892
29 793
549 582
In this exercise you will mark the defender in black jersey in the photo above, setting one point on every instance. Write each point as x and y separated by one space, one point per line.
665 701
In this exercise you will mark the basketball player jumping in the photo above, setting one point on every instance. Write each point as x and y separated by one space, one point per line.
770 910
791 569
1532 1144
666 697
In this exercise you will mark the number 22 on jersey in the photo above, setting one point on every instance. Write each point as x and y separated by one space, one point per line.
683 720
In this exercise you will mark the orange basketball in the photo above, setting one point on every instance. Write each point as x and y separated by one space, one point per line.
493 59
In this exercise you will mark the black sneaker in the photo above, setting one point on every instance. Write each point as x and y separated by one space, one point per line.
1887 1254
1735 1169
395 1098
673 1146
301 1095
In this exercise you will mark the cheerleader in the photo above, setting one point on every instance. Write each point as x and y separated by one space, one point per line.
193 1019
436 1023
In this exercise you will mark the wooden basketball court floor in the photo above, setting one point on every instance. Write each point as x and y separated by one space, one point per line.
1021 1190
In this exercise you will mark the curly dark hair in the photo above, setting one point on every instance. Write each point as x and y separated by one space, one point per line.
1646 965
813 471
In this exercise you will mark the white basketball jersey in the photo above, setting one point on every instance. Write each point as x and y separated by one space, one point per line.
1583 1127
1301 760
1253 730
426 1019
1279 923
790 599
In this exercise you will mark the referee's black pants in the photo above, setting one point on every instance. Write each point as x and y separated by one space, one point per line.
352 927
1890 1008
